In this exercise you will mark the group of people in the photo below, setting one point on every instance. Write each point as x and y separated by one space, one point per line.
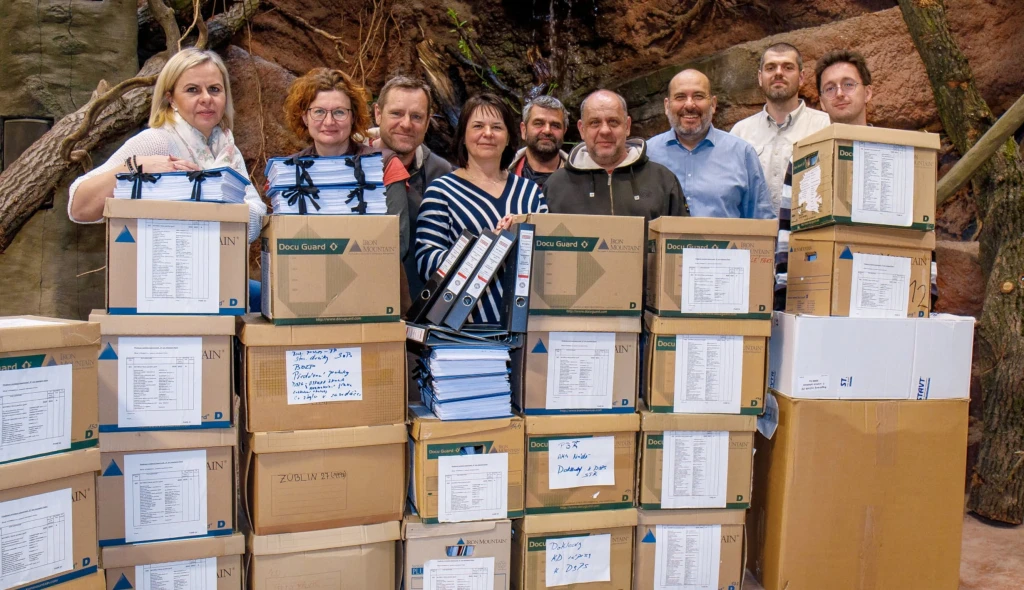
693 169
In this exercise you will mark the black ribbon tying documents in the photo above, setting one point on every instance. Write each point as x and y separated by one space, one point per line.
302 163
138 177
357 193
300 195
197 177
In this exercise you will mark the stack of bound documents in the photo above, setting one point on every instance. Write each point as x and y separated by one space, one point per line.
334 185
216 185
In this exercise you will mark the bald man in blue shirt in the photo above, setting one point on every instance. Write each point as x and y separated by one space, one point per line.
720 174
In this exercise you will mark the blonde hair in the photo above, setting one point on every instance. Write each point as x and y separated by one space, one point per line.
186 59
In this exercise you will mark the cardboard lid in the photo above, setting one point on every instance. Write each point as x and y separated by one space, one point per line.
655 422
413 527
177 210
48 333
56 466
582 423
327 438
550 323
167 551
869 235
425 425
163 325
875 134
690 517
557 218
715 226
325 539
255 330
164 440
724 327
539 524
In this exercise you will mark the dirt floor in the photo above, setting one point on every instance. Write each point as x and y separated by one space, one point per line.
993 558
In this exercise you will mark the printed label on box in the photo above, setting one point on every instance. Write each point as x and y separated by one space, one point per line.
472 487
164 495
35 411
35 538
476 573
880 287
687 557
715 281
325 375
695 467
581 370
192 574
159 381
709 374
178 266
883 184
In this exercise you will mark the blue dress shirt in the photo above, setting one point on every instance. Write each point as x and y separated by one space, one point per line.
721 177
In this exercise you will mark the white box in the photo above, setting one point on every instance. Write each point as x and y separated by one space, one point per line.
814 357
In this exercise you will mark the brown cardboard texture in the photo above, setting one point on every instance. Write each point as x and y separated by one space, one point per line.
900 488
821 268
219 446
319 479
123 217
330 269
120 562
71 477
824 174
586 265
29 342
564 440
361 557
530 539
536 359
94 581
265 374
689 551
713 286
480 539
432 438
217 337
739 455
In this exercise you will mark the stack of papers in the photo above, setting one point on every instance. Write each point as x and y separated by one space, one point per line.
325 170
466 382
332 200
216 185
333 185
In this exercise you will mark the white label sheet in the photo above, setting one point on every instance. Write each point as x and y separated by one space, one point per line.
581 370
164 495
524 263
472 487
695 466
575 560
880 286
159 381
883 184
581 462
709 374
35 411
35 538
715 280
191 574
473 573
178 265
808 197
325 375
687 557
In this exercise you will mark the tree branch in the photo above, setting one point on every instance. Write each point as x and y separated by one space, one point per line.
165 16
338 41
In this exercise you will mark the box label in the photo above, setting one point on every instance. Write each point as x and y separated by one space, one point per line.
192 574
709 374
694 469
159 381
475 573
808 197
581 462
325 375
581 370
472 487
35 538
565 244
715 281
883 184
164 495
35 410
687 557
576 560
523 263
880 286
811 383
178 266
311 246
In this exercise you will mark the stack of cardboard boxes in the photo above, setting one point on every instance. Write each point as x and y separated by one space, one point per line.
324 376
861 451
167 492
709 297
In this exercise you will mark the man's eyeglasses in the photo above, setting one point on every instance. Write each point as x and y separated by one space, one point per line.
848 87
340 115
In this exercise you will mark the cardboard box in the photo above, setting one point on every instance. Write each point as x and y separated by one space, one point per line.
207 286
695 267
825 172
161 381
591 367
604 533
39 496
722 365
586 264
354 557
432 439
330 269
321 479
266 378
31 349
849 492
155 457
451 541
859 358
835 271
592 459
94 581
187 559
712 466
707 547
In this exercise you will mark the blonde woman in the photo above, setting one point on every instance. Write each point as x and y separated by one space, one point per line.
189 129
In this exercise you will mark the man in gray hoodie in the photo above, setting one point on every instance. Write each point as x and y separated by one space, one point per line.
609 174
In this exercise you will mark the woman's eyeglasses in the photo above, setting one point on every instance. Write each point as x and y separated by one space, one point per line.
340 115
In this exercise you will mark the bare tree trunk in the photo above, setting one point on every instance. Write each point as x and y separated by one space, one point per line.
997 484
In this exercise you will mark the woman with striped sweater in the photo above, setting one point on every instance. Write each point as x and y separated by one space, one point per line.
480 195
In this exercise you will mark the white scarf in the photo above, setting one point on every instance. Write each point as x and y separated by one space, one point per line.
218 152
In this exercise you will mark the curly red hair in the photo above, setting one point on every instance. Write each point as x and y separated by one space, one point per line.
304 91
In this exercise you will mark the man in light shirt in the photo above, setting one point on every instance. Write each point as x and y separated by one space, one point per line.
784 120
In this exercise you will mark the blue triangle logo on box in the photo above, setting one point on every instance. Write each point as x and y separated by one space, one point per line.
50 363
461 542
123 584
603 245
108 353
125 236
539 348
355 247
113 470
846 255
649 537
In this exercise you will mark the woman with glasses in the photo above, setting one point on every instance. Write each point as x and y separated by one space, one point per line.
328 112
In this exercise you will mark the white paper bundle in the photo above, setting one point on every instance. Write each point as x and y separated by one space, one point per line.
329 200
216 185
467 383
325 171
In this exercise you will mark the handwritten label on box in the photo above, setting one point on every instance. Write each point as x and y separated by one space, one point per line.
575 560
580 462
325 375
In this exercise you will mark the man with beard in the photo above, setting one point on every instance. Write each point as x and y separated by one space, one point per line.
720 173
783 121
543 131
844 84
